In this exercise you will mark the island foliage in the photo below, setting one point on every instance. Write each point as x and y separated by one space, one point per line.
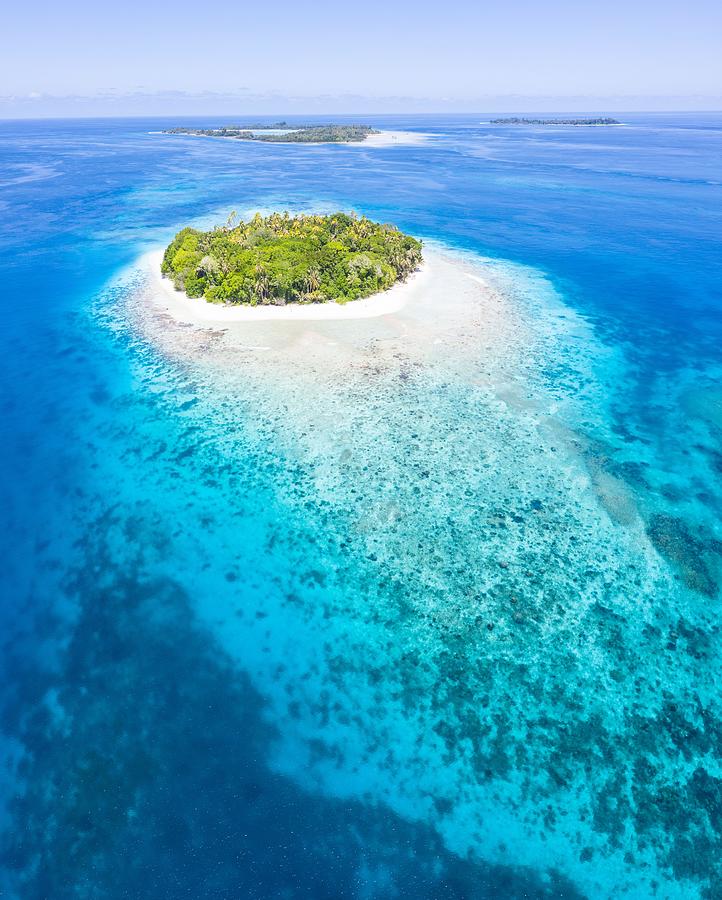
518 121
279 259
282 133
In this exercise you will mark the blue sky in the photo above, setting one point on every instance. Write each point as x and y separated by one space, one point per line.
376 56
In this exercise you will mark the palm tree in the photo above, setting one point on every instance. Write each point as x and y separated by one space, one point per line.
312 280
261 285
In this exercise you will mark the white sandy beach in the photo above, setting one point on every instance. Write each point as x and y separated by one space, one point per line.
382 139
392 139
449 308
450 313
200 312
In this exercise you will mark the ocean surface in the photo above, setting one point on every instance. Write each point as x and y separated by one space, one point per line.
389 621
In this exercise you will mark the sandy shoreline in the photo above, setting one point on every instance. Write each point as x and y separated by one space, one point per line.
392 139
200 312
438 310
382 139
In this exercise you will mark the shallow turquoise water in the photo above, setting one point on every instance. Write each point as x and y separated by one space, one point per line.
438 621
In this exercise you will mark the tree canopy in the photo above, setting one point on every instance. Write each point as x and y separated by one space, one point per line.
281 259
520 121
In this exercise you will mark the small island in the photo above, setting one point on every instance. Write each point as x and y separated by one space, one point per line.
518 121
280 259
283 133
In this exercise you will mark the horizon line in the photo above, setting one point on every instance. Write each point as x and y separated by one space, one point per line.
294 115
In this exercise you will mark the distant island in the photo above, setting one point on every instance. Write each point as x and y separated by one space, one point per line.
282 132
517 121
281 259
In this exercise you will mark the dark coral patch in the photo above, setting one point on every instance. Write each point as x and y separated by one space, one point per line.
146 775
676 543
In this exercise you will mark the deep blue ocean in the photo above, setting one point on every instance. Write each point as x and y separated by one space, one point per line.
419 628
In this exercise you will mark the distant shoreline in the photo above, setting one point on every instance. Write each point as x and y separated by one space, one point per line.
601 122
376 139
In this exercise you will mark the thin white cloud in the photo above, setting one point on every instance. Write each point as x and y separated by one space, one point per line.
140 101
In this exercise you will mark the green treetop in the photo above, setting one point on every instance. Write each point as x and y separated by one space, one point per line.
283 259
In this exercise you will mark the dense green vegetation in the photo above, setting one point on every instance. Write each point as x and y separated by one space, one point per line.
300 134
283 259
517 121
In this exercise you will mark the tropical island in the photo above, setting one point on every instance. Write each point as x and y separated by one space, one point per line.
280 259
282 132
518 121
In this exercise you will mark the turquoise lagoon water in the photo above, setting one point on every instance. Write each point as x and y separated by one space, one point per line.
417 607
